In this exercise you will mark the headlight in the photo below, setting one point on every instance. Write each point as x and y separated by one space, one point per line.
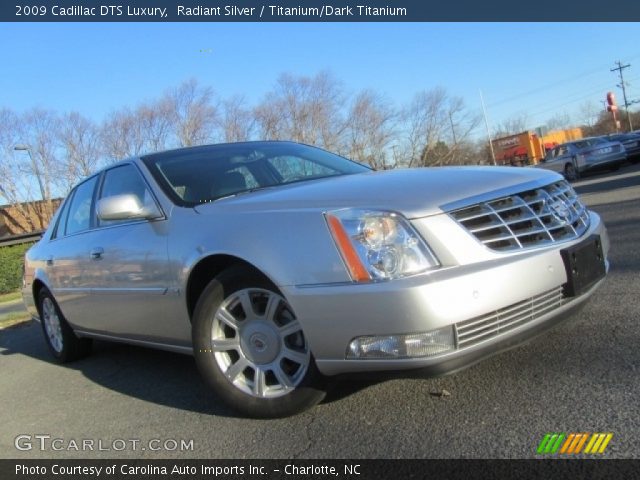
378 245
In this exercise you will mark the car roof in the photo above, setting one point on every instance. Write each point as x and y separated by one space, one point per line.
204 148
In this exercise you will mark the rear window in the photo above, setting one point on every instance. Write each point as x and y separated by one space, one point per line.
79 216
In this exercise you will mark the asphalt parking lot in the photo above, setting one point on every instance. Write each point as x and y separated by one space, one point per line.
580 377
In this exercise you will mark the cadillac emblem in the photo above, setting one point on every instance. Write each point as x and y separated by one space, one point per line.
560 210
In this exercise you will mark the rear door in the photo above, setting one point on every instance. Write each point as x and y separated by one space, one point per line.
67 259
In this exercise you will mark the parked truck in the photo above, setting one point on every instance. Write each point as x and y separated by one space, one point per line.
528 148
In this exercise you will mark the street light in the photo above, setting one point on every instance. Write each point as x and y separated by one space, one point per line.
34 165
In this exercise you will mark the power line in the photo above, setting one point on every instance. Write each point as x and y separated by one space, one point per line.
552 84
582 96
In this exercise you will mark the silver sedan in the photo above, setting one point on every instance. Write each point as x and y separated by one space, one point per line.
279 265
573 159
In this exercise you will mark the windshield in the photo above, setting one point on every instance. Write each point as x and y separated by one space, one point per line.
203 174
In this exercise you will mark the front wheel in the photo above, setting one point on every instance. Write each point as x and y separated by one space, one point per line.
249 346
63 343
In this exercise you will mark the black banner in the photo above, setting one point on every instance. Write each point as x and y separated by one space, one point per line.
295 469
315 11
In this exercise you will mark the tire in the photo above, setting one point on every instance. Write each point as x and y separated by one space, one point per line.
250 348
63 343
570 172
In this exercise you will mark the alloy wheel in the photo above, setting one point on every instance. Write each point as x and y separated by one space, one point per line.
258 343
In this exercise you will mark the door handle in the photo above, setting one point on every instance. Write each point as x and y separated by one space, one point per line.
50 260
96 253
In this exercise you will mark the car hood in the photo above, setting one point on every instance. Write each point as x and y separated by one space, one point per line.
415 192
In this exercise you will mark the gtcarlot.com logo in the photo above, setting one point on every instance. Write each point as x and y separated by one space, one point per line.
45 442
574 443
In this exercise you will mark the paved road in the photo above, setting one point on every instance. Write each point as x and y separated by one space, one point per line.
581 377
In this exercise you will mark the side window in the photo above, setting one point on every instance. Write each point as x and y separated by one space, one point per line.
121 181
58 230
79 217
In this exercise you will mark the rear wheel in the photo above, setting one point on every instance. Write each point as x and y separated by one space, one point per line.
63 343
570 172
249 346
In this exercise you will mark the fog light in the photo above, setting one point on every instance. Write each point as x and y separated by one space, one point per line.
424 344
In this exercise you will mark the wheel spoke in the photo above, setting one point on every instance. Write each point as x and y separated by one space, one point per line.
259 382
236 369
227 318
297 357
225 344
272 307
283 378
247 306
289 328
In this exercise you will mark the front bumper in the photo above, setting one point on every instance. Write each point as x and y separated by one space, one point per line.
333 315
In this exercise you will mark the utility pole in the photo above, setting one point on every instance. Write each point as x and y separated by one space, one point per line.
622 85
453 130
486 124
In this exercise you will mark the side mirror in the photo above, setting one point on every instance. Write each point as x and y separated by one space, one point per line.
125 207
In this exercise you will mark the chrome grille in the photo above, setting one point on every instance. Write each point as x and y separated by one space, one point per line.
532 218
475 330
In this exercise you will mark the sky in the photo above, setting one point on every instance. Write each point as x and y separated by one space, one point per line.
534 69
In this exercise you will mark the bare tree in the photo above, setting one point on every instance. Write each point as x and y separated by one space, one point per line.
304 109
122 135
589 113
155 119
370 129
41 127
424 121
28 178
462 122
80 141
15 188
436 125
515 124
194 114
559 121
269 120
237 120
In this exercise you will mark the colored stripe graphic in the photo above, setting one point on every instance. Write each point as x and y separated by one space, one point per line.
551 443
567 443
607 439
556 446
583 439
591 443
573 443
543 443
598 442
